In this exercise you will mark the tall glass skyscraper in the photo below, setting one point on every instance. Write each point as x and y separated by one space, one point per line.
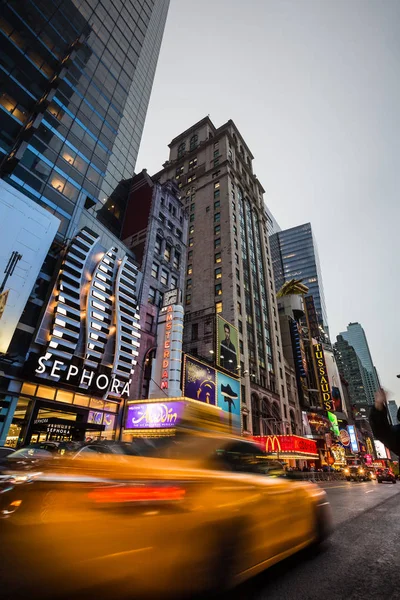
295 256
355 336
76 77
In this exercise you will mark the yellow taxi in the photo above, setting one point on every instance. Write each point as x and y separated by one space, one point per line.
197 514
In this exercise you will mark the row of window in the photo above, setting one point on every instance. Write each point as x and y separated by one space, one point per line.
165 277
167 254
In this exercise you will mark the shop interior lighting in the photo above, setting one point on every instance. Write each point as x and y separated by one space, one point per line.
61 310
58 333
95 326
97 305
99 296
60 322
100 286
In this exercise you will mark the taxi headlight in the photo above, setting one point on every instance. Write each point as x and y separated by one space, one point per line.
361 470
347 471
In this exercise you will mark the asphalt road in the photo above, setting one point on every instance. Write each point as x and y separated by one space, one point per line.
362 558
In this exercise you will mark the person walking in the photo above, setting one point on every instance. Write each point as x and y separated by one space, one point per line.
381 428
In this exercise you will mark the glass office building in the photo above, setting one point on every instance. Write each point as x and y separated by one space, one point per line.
76 77
295 256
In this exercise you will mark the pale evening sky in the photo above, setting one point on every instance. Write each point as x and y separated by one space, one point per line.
314 88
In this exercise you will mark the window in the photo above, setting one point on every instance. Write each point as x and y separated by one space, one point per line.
191 229
241 347
191 242
277 340
157 246
162 201
149 323
173 283
240 326
189 270
245 426
218 307
283 395
167 252
216 153
238 289
218 289
216 193
177 260
217 242
191 178
190 254
179 233
217 217
218 273
239 307
195 332
237 258
178 173
193 163
237 274
191 218
164 277
181 149
236 244
170 225
193 141
154 270
188 284
152 296
218 258
188 298
192 207
281 373
217 204
217 229
207 209
161 217
216 162
235 229
169 206
216 174
216 185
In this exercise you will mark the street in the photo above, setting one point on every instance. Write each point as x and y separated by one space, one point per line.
361 560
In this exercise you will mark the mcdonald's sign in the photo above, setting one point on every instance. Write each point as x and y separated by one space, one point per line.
322 375
272 444
291 446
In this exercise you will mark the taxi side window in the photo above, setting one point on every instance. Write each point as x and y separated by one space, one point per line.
239 457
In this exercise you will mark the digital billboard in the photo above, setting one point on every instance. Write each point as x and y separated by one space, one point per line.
228 397
199 381
27 232
353 438
154 415
227 346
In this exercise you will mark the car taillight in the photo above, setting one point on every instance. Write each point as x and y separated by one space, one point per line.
137 493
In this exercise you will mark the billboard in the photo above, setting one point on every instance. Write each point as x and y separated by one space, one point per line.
334 423
227 346
199 381
27 232
154 415
353 438
228 397
381 451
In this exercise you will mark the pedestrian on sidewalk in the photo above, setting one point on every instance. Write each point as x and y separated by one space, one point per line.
381 428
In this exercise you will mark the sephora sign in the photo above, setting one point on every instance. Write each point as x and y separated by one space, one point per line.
82 377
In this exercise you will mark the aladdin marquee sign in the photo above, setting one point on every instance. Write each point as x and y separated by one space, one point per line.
322 375
154 415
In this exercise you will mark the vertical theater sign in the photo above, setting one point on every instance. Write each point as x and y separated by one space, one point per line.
91 325
322 375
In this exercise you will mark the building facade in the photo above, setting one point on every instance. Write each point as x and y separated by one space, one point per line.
351 370
295 256
355 336
155 229
76 78
229 269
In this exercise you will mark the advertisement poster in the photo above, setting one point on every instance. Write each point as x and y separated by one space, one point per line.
154 415
227 346
228 397
337 400
199 381
334 423
353 438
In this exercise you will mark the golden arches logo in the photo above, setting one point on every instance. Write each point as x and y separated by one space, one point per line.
272 444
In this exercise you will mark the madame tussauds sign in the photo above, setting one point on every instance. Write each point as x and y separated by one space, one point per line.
86 378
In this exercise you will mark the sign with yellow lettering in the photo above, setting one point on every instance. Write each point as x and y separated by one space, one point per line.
322 375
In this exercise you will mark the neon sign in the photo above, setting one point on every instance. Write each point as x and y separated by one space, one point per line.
322 374
154 415
166 350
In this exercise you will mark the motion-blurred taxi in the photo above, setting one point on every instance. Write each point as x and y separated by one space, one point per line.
200 516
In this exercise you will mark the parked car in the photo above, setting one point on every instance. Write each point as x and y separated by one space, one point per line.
385 475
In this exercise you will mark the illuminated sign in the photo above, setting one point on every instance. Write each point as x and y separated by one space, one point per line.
334 423
227 346
353 438
381 450
64 372
154 415
287 443
338 453
322 375
166 350
199 381
344 437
